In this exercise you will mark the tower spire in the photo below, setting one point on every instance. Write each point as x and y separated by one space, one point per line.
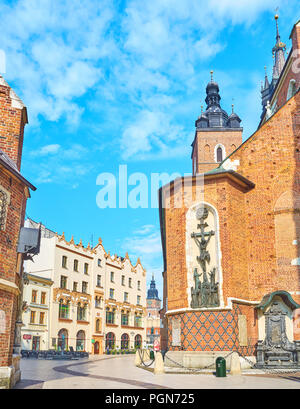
278 53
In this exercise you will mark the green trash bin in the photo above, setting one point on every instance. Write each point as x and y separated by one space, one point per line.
151 354
220 367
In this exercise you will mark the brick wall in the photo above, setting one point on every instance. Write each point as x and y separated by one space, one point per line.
13 118
293 72
12 121
206 142
270 159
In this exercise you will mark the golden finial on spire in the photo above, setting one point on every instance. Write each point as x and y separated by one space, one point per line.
211 75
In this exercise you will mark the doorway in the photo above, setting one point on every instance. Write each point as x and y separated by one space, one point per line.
35 343
96 348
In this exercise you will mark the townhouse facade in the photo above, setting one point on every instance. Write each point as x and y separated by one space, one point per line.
35 318
97 301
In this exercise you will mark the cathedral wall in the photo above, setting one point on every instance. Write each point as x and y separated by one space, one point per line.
270 159
290 78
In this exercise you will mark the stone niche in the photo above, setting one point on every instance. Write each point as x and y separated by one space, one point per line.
213 247
276 346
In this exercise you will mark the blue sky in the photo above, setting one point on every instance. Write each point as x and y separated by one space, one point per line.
109 83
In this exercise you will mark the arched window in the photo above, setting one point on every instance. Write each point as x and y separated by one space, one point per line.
292 89
62 336
219 154
110 340
124 341
80 341
98 325
138 341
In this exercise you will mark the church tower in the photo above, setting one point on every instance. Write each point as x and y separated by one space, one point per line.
279 61
217 133
153 317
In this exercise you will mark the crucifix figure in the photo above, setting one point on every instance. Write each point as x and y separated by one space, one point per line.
205 293
202 239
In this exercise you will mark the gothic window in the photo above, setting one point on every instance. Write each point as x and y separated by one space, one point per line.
3 208
219 154
292 89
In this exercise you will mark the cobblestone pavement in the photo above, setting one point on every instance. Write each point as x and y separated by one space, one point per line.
106 372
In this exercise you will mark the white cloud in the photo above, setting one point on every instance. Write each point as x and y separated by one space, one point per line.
141 59
152 134
54 52
46 150
57 164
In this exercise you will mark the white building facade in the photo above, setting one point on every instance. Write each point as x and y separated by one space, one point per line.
36 313
96 302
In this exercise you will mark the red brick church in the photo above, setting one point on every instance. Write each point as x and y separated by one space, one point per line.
232 258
